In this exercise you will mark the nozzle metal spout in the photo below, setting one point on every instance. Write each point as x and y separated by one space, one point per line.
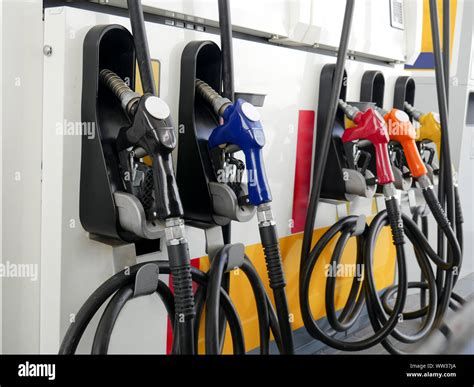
218 103
349 110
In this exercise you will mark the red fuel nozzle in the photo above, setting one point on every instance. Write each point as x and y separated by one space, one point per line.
370 126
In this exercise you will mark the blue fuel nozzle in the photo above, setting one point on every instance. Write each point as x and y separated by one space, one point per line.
242 128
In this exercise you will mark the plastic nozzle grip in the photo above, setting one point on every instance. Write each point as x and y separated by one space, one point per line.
431 129
242 128
153 131
259 191
401 130
371 126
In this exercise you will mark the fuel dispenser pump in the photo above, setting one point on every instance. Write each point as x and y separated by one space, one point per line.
352 225
242 131
371 126
125 198
208 170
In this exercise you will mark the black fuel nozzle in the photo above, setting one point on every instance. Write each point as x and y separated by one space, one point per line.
151 134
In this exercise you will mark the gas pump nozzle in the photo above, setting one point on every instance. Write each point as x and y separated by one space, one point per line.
241 130
370 126
401 130
151 132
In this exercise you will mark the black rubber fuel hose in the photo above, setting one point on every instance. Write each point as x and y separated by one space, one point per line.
276 276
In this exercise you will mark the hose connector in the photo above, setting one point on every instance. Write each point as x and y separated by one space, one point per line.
416 114
395 220
350 111
174 231
265 215
218 103
127 97
389 191
424 182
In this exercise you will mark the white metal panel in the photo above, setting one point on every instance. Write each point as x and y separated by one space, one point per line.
371 30
21 155
268 16
413 29
52 220
316 22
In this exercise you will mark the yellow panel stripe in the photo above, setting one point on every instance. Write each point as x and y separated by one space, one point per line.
427 43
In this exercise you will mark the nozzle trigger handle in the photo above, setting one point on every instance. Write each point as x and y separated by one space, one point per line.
242 128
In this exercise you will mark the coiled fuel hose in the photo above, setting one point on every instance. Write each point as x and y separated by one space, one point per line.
119 288
384 317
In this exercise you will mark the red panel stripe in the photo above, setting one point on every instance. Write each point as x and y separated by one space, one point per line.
169 333
304 157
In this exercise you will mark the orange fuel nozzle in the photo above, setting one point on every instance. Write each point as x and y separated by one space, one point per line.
400 129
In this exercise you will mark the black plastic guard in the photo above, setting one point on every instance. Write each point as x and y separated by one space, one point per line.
111 47
200 60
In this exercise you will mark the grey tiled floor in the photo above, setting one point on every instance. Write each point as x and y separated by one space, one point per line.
305 344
